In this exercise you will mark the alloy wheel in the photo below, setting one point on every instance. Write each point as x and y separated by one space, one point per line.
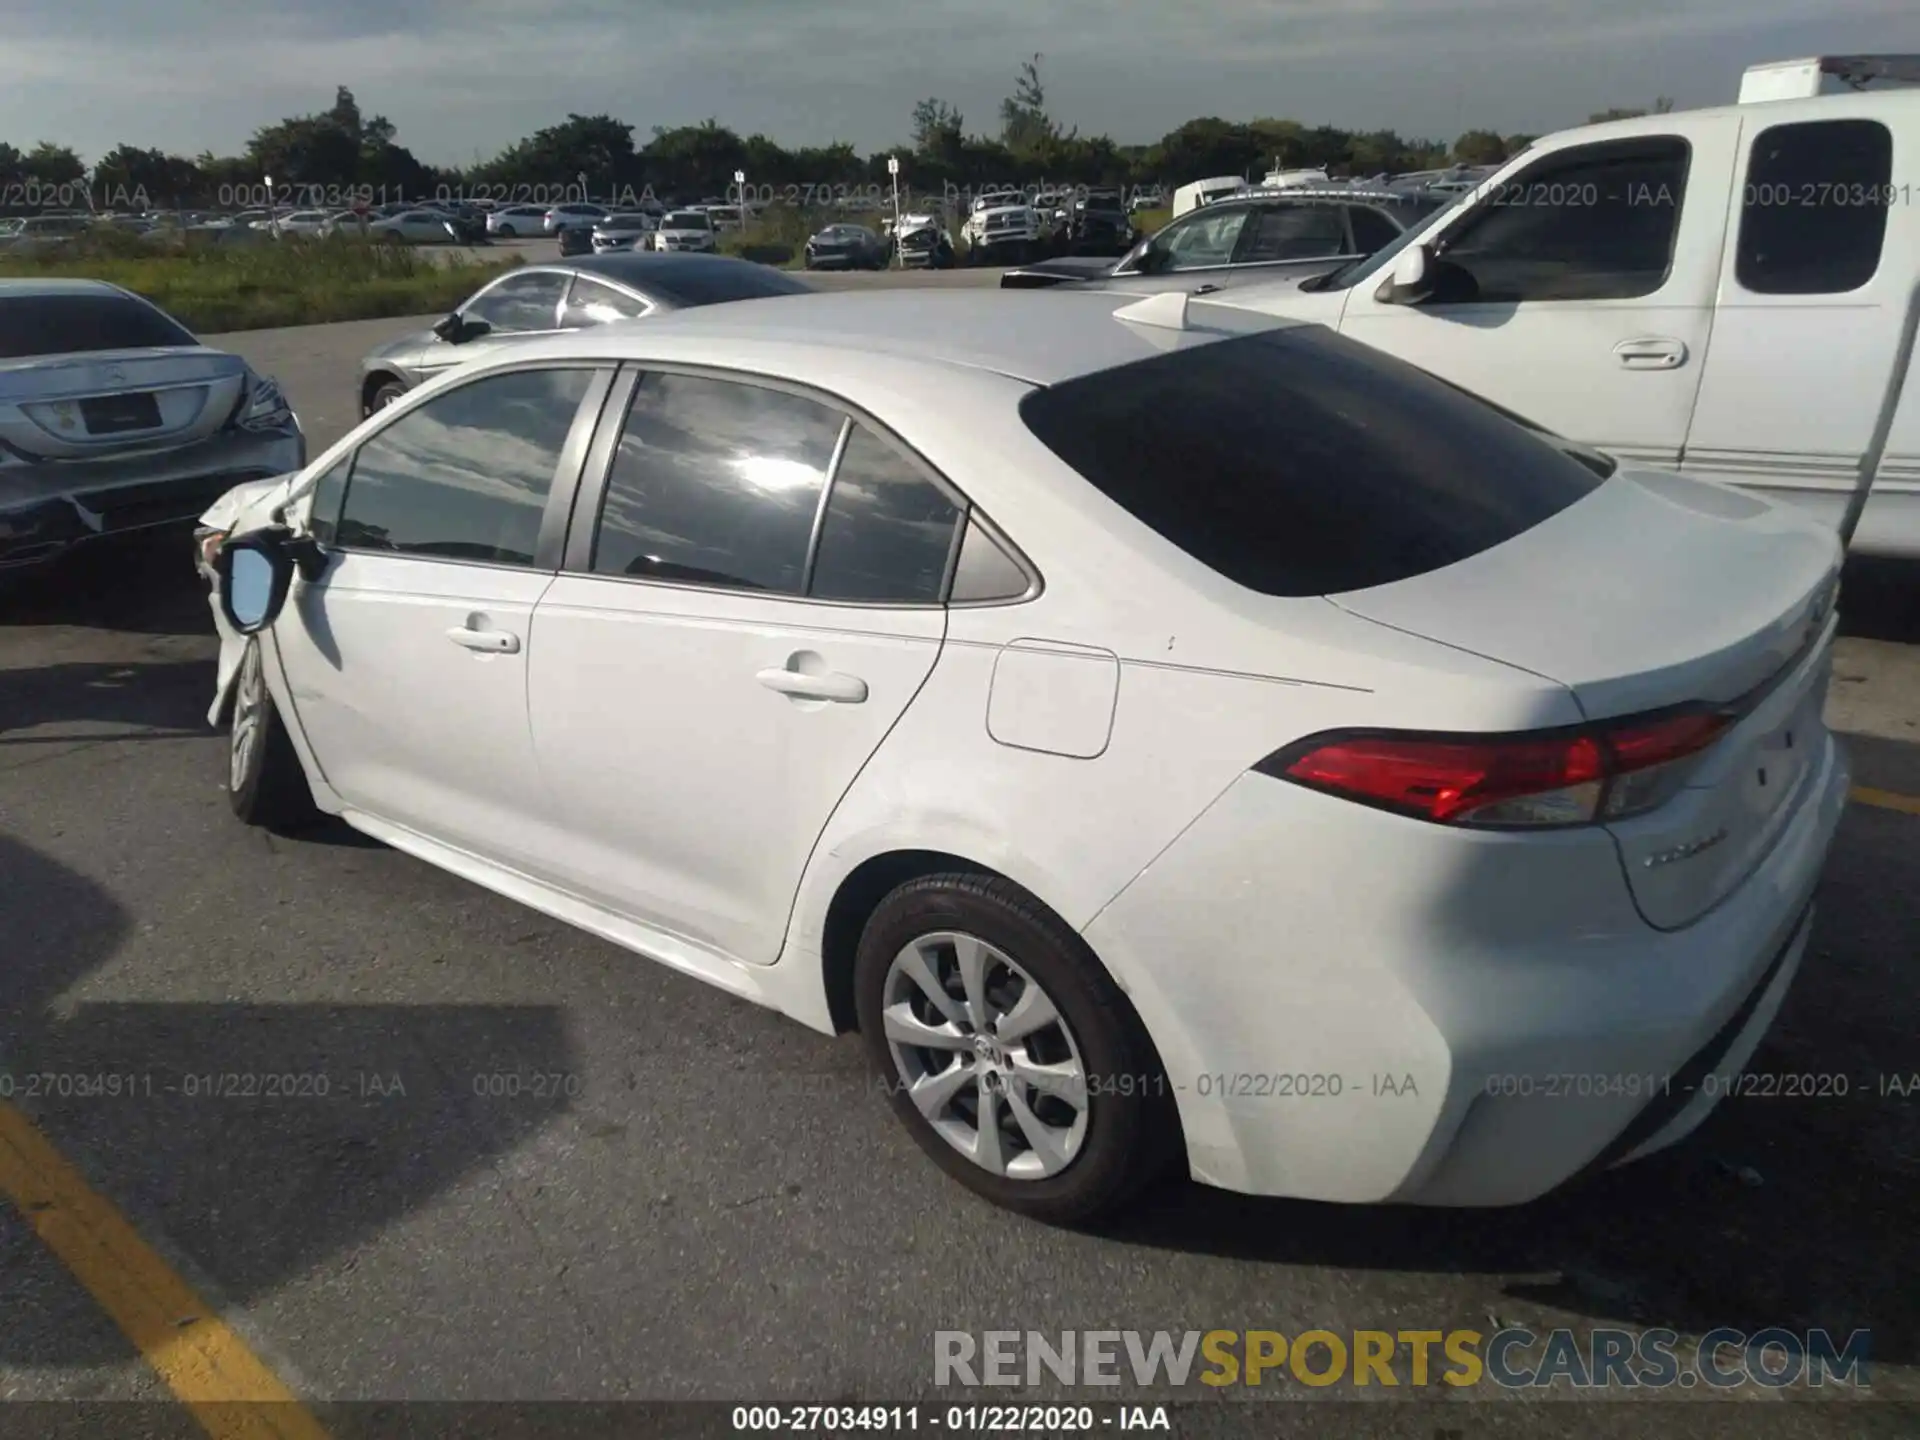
985 1056
248 704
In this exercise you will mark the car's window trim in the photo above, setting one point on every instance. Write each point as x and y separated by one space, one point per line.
646 304
590 499
556 515
522 273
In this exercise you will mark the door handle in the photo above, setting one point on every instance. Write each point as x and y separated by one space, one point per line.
491 642
845 689
1652 352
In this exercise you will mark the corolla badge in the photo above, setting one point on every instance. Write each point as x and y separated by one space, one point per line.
1686 851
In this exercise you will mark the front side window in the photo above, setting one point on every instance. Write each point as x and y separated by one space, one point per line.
1596 223
1813 216
1205 240
466 475
1297 462
1371 230
716 482
520 303
887 532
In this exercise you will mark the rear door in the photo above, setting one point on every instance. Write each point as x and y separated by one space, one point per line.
1592 275
752 597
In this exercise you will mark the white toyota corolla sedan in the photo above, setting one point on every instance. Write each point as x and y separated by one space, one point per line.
1165 734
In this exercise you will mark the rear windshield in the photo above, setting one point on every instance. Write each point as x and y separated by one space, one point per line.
71 324
711 285
1295 462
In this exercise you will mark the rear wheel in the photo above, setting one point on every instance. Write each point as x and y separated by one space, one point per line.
265 784
384 394
1008 1052
505 232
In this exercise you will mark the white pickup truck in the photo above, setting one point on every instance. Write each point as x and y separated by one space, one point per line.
1732 293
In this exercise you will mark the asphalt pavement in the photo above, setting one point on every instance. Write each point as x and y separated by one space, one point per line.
545 1169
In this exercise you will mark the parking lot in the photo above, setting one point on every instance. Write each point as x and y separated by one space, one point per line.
706 1201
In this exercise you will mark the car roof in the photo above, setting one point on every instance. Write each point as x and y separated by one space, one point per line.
37 287
1040 337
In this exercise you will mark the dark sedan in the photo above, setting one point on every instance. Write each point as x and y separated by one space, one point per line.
846 247
1244 239
567 295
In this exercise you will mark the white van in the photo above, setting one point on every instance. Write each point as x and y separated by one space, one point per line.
1731 293
1204 192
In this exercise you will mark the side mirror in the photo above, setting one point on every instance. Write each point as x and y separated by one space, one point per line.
1410 280
256 570
449 328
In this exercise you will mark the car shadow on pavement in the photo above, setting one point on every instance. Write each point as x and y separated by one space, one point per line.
164 698
1796 1211
262 1141
143 584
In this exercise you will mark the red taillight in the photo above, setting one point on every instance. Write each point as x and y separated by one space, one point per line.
1559 778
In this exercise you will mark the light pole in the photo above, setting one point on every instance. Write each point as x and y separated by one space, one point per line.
740 195
893 171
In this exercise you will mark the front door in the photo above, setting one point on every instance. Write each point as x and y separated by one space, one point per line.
407 661
730 643
1592 276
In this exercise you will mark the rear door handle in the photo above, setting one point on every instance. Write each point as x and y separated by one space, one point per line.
845 689
491 642
1651 352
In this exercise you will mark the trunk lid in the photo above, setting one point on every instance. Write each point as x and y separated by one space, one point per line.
108 402
1656 591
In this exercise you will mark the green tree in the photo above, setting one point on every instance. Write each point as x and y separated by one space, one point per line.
938 130
1480 147
1026 129
127 176
53 164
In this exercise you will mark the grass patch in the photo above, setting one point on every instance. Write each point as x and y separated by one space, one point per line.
212 288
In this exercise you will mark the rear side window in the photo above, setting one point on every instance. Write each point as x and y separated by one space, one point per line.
77 324
887 532
1296 462
1814 212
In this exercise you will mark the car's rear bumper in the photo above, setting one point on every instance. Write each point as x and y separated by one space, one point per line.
1415 1014
45 510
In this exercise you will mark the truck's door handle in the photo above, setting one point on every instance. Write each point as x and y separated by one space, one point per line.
492 642
845 689
1652 352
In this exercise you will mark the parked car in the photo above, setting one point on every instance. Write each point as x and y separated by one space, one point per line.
573 212
539 300
685 230
923 243
975 743
846 247
44 232
508 222
416 227
303 222
623 230
1098 224
1006 234
575 239
114 418
1244 241
1685 290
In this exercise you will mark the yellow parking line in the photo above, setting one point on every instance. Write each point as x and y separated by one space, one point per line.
1886 799
207 1366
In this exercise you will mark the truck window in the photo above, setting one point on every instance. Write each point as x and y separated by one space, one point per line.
1593 223
1814 211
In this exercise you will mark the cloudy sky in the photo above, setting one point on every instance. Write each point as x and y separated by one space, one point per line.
463 78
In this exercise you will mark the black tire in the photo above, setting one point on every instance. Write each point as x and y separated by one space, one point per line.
505 232
384 394
1132 1129
266 786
